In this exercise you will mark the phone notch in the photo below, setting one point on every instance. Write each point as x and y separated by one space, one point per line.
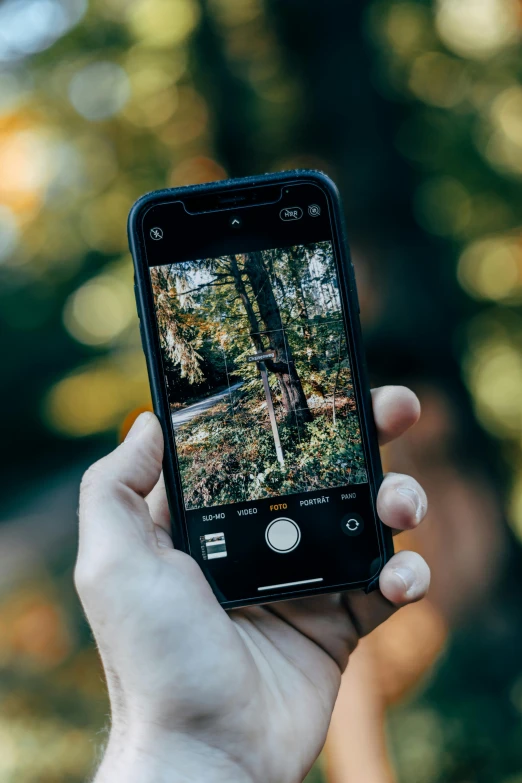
232 199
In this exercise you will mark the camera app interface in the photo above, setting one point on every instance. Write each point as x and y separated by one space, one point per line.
265 420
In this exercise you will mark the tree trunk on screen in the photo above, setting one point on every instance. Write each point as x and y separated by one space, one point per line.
255 326
294 398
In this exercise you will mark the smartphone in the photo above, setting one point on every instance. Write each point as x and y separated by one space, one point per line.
250 326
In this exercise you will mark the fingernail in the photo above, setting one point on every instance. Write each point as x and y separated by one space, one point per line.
413 496
407 576
139 425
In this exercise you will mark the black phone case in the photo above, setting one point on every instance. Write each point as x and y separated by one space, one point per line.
151 348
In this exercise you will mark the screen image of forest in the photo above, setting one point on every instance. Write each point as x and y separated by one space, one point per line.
258 376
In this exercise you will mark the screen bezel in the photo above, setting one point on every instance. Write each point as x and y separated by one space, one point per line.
150 337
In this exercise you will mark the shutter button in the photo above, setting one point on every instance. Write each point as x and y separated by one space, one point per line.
283 535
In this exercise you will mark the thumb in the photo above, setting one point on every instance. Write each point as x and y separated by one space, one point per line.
114 517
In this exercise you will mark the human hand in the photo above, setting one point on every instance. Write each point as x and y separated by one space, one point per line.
198 694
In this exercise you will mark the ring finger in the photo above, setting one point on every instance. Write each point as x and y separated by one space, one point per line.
401 502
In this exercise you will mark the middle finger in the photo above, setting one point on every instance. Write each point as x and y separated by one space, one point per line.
401 502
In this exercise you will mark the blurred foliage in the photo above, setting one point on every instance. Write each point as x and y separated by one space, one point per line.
416 109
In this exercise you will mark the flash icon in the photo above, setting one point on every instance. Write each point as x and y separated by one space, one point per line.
156 233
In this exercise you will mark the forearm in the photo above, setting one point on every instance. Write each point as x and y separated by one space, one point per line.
165 758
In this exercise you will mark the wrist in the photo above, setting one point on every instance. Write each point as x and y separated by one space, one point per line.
155 755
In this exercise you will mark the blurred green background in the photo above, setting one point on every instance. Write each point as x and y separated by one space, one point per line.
415 109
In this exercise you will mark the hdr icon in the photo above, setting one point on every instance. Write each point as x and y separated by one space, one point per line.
291 213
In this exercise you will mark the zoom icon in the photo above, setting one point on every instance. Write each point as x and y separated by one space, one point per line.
314 210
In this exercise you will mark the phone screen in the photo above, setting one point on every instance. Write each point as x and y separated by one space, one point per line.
263 401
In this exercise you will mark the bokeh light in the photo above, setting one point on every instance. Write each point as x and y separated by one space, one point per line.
29 26
97 397
98 312
31 749
101 309
189 122
196 170
507 113
99 90
478 28
405 27
230 13
26 165
162 23
34 631
8 232
491 268
503 148
494 373
438 79
153 84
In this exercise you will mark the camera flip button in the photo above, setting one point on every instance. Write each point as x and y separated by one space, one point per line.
352 525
